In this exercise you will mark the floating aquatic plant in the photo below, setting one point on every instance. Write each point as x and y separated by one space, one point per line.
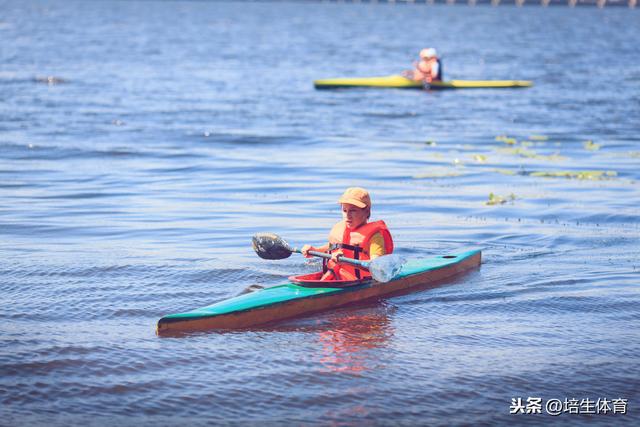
591 146
506 172
506 139
539 138
494 199
480 158
530 154
518 151
555 157
586 175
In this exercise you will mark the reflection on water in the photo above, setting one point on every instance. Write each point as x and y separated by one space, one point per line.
349 336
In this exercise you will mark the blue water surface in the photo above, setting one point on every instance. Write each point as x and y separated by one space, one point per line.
143 143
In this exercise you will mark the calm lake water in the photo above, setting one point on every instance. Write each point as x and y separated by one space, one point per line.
143 143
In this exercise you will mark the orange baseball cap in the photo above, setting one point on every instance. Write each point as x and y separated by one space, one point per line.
356 196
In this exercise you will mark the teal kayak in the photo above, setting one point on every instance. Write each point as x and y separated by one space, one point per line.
292 300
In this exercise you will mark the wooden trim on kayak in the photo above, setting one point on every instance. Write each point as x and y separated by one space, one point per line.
313 304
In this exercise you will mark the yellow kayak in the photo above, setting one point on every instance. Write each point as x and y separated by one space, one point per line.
397 81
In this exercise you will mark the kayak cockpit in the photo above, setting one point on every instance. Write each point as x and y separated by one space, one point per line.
312 280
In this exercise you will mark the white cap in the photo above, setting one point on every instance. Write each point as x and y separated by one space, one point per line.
428 53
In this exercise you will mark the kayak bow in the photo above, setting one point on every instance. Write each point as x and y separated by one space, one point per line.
291 300
401 82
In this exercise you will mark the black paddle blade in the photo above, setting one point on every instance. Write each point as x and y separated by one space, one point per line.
270 246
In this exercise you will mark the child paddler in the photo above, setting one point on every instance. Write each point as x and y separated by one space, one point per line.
353 237
428 69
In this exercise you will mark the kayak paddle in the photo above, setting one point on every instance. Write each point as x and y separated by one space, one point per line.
271 246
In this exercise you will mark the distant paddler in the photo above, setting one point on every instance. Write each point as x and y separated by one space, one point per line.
427 69
354 237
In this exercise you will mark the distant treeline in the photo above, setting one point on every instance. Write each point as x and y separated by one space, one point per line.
597 3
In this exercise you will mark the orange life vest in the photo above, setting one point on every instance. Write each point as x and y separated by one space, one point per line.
355 244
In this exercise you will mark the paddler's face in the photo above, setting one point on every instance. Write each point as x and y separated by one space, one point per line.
354 216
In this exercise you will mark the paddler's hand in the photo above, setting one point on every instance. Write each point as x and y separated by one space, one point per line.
305 250
335 255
